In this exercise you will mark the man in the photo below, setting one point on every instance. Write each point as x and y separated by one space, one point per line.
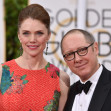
93 91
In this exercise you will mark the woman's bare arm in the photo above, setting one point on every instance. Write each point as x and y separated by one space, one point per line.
64 86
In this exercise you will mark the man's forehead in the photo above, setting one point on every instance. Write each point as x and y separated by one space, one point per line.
74 35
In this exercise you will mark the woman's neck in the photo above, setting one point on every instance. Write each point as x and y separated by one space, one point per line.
31 63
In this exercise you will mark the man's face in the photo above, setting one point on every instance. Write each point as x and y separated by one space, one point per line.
83 66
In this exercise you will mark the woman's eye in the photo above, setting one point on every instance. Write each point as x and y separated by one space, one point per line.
25 33
39 33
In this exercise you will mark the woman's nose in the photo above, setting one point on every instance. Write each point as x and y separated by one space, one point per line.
33 38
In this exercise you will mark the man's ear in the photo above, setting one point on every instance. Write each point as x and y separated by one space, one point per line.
96 48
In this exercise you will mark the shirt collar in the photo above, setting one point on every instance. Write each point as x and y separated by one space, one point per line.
96 75
94 78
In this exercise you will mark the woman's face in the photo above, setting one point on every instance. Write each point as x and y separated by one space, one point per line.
33 36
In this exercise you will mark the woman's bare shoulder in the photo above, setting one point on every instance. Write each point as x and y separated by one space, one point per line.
0 69
0 72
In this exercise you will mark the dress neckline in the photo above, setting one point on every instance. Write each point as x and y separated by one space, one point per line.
14 61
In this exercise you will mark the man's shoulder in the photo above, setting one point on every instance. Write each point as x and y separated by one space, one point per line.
106 74
106 70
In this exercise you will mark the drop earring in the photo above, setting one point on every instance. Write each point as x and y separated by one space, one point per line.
46 48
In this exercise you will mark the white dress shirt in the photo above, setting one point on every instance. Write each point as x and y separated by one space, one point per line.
82 101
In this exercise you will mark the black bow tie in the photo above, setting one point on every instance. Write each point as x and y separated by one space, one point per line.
85 87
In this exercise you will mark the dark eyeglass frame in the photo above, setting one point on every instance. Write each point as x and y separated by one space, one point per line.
77 51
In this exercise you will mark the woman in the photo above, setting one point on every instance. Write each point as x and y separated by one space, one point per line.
30 83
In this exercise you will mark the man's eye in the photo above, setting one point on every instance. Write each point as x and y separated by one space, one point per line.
82 49
69 54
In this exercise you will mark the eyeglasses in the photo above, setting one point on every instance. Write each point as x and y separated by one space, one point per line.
81 52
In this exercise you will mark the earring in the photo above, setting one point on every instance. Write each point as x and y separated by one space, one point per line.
21 50
46 48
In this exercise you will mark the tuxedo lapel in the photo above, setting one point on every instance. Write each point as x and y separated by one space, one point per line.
101 91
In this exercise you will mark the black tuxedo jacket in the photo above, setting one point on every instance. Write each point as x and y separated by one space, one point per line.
101 99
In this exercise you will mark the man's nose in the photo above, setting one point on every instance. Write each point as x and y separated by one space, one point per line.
77 57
